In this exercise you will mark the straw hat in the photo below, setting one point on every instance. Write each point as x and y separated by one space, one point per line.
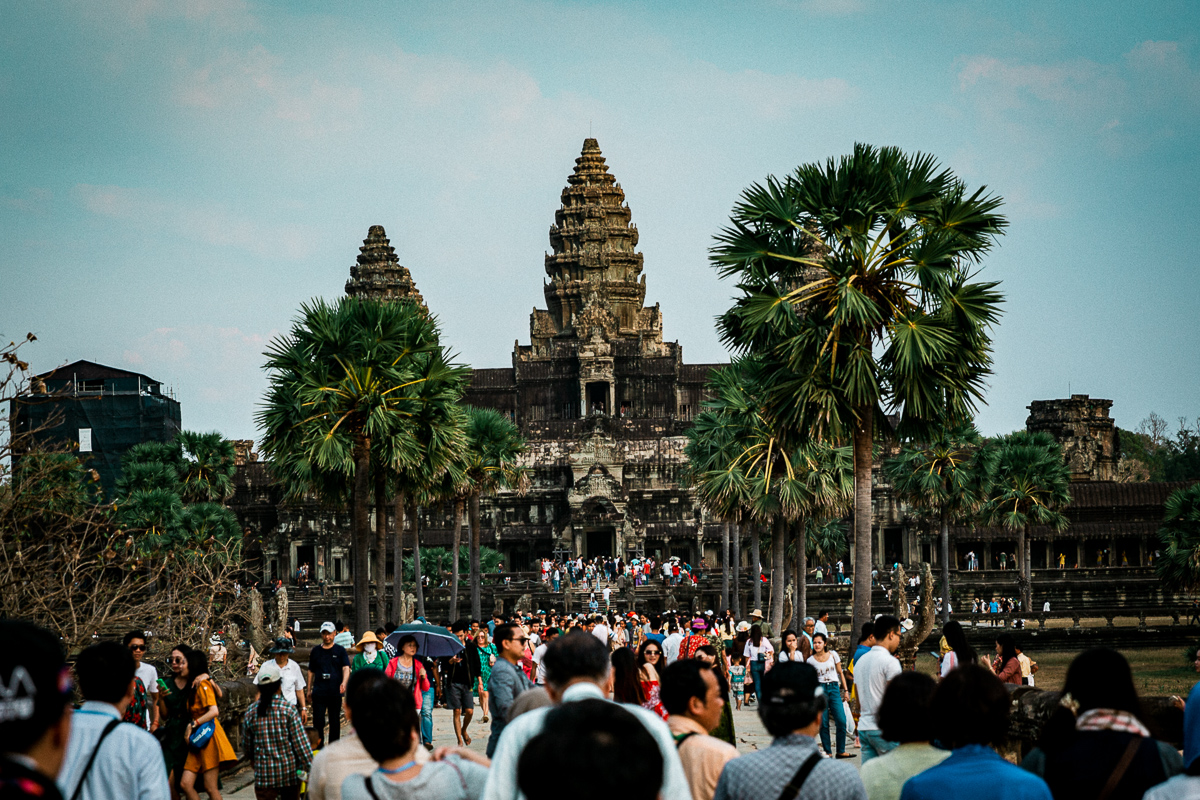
756 613
368 638
742 627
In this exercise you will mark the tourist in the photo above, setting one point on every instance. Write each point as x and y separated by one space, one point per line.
274 741
290 676
411 673
970 713
368 653
672 641
174 716
822 624
904 718
130 763
35 711
148 676
656 634
793 648
710 657
506 681
1028 667
1005 664
343 638
328 671
487 659
756 618
649 657
872 673
810 627
758 652
791 712
462 672
577 670
387 724
828 665
696 639
203 760
866 641
1185 786
347 756
626 688
960 652
579 746
691 695
737 678
1095 737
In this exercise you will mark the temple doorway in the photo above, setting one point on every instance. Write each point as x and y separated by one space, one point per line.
599 542
597 397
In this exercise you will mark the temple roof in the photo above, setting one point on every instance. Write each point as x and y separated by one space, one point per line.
379 274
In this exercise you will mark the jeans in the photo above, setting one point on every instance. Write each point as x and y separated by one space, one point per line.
873 744
332 705
427 702
757 670
833 703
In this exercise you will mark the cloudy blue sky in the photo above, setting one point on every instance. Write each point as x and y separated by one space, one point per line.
177 176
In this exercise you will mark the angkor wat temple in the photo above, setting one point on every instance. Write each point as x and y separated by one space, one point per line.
604 404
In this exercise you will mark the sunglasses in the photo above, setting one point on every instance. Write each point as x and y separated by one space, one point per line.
178 661
653 653
137 647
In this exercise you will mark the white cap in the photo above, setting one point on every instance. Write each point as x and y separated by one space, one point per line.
328 626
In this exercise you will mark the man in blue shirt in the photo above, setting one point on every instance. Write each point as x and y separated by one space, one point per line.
970 709
128 762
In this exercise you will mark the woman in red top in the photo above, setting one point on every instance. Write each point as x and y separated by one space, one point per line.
649 658
1006 666
408 670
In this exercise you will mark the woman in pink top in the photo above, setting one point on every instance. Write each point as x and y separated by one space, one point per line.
1006 666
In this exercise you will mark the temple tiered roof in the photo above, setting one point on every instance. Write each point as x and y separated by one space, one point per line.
379 274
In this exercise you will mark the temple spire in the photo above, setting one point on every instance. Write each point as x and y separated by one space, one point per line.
379 274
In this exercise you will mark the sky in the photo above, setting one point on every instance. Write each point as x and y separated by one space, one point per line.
178 176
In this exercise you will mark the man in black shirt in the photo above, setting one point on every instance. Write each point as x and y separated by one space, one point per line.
328 671
462 672
35 712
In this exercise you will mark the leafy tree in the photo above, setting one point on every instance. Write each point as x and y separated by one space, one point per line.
945 477
209 464
1179 565
858 297
1029 485
340 397
1150 453
440 561
494 445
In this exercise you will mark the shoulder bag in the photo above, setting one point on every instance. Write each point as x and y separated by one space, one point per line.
792 790
83 776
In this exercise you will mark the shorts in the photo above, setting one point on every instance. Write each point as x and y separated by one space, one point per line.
459 696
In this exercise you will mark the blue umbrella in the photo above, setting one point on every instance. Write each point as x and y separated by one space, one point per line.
433 641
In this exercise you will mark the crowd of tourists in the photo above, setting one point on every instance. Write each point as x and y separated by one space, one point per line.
594 706
595 573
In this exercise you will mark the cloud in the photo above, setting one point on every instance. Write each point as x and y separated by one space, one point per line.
32 201
208 223
216 363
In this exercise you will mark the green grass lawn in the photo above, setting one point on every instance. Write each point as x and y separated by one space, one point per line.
1156 671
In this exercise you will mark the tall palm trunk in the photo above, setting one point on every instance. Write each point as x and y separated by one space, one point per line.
779 530
398 558
736 597
1026 572
380 570
416 534
945 542
458 514
724 567
756 565
863 440
361 534
473 512
800 603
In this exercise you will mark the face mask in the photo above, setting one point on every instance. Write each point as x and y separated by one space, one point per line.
369 649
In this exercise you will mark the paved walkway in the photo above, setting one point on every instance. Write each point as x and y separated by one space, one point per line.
751 736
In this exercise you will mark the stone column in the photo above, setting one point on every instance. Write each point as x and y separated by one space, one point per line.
987 556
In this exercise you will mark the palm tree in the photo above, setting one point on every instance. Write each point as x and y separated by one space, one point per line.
1029 486
341 383
494 446
208 467
1179 565
858 296
946 477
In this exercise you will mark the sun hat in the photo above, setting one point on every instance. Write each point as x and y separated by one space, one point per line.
328 626
756 612
368 638
699 624
268 676
742 627
281 646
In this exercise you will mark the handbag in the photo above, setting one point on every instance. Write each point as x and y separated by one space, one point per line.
202 734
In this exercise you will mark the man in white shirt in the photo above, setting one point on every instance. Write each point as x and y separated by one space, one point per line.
820 626
291 676
577 669
671 644
130 764
871 675
607 598
136 642
539 656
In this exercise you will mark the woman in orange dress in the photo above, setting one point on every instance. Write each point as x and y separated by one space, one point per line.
207 760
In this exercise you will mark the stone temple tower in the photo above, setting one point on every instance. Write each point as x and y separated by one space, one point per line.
379 274
1086 432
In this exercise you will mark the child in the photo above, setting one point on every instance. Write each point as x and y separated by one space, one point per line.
737 679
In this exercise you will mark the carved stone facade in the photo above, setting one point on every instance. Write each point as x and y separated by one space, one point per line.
379 274
1087 434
